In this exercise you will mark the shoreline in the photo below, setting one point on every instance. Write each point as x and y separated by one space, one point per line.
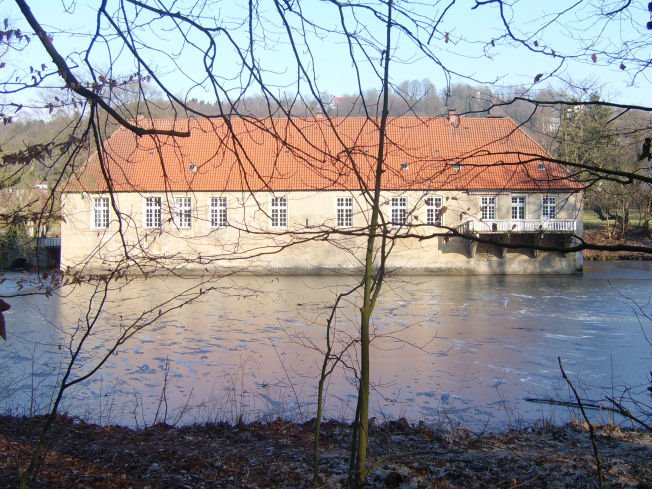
634 237
279 454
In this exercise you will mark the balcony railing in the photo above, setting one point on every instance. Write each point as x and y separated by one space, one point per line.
50 242
519 226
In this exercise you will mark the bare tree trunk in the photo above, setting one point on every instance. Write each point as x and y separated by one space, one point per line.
372 282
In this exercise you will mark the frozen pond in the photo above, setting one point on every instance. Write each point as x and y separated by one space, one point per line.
453 349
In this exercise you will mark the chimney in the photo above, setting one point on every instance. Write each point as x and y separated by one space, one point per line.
453 118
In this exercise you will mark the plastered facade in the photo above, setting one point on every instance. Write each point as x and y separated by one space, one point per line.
310 242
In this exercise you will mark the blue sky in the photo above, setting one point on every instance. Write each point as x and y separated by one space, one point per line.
468 53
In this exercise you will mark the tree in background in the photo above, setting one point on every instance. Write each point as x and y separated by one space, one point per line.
598 137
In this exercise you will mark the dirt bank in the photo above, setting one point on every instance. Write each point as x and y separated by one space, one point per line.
634 237
278 455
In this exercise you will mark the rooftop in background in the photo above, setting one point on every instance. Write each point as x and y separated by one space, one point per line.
241 154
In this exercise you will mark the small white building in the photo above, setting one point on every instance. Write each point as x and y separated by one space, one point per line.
291 196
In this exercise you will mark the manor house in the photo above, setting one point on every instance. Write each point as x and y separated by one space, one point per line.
458 195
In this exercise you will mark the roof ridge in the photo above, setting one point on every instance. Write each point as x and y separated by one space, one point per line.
317 118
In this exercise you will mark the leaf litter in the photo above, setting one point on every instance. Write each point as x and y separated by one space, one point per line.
278 454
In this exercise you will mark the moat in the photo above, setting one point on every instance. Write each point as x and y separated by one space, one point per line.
455 349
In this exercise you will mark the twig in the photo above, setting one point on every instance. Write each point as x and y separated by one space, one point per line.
184 409
596 455
287 376
623 411
557 402
618 409
163 399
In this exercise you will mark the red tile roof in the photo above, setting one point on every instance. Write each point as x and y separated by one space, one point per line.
318 154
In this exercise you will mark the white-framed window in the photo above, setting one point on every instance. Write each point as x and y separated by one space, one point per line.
433 211
518 208
398 207
183 212
548 207
153 206
218 212
100 213
279 212
488 208
344 208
